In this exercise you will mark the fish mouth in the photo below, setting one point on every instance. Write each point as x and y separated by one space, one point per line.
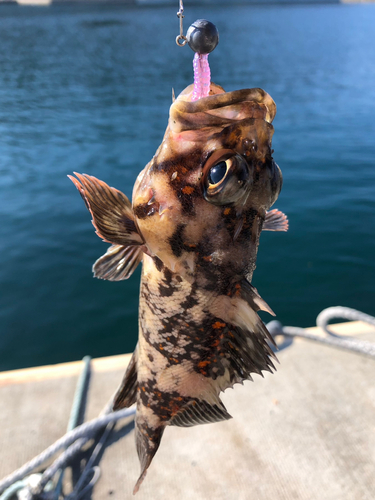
187 93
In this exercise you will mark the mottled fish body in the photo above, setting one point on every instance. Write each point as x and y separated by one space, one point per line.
198 210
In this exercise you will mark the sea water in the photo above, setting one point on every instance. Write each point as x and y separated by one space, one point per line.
87 88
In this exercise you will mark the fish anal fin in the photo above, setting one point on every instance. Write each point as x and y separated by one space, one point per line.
118 263
127 392
275 221
112 214
200 412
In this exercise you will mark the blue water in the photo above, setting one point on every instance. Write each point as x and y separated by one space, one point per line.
87 88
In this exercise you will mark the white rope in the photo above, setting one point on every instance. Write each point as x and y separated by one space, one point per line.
83 431
361 346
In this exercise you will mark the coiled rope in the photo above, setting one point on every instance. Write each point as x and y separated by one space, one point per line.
361 346
72 441
76 438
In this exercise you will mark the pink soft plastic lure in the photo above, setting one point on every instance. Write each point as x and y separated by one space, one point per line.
202 76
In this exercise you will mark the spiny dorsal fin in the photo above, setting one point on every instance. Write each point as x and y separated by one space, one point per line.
249 293
275 221
118 263
111 211
200 412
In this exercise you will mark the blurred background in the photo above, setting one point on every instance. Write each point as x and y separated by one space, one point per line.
87 87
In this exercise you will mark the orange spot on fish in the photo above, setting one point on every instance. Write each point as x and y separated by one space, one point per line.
184 170
161 347
188 189
208 258
202 364
144 389
227 211
218 324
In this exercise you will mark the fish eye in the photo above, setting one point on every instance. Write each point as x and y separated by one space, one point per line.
217 172
227 178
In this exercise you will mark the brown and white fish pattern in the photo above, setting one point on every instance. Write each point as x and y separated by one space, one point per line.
198 210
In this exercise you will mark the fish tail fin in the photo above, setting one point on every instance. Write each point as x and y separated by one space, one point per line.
127 393
147 441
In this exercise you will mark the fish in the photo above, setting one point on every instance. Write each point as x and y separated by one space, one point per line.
198 209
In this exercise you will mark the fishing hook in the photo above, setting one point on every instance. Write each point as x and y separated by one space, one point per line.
181 39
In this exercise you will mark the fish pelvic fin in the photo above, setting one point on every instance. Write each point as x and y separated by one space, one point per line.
275 220
114 222
200 412
127 392
118 263
147 441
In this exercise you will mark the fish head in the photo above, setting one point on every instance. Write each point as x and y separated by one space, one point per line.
202 199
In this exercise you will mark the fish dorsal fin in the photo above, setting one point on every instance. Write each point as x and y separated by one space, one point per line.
275 221
118 263
249 293
127 392
200 412
112 214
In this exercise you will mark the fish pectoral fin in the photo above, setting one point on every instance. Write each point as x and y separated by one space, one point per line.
112 213
118 263
127 392
275 221
200 412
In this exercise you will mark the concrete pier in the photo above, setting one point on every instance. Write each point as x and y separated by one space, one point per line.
306 432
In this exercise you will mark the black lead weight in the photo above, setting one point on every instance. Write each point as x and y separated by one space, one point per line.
202 36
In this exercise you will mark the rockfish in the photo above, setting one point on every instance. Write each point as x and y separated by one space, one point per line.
198 210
